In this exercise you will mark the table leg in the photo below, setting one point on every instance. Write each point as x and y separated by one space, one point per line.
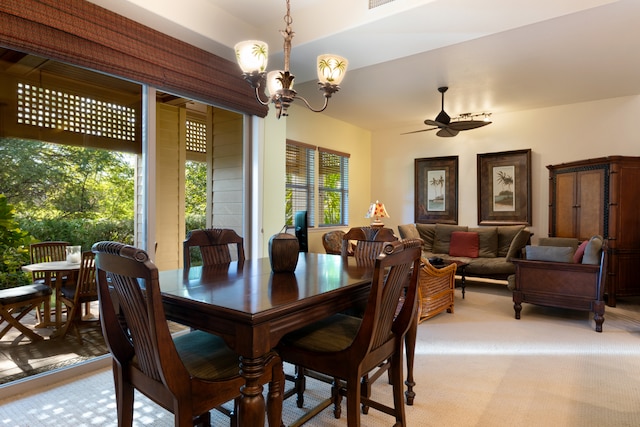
410 346
58 286
45 320
251 409
462 282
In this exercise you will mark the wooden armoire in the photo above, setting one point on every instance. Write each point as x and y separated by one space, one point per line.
601 196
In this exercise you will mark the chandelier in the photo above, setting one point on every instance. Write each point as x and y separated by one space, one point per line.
252 56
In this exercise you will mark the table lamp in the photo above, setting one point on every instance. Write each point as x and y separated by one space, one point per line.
377 211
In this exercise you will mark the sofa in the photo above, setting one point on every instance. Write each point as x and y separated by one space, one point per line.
487 249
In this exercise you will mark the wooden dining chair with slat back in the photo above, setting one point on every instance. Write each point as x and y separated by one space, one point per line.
188 375
46 252
347 347
365 244
74 295
214 244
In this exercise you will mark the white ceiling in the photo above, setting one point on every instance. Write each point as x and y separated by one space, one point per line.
495 55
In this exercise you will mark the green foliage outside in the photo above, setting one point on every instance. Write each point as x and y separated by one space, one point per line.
60 192
74 194
14 247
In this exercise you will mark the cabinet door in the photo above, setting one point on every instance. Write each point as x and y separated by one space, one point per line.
565 200
590 203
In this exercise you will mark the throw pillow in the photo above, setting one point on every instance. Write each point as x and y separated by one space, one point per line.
550 253
464 243
488 237
443 237
577 257
592 251
518 243
506 234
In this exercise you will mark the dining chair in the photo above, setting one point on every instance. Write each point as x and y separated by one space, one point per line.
214 246
15 303
73 296
189 374
347 347
46 252
365 242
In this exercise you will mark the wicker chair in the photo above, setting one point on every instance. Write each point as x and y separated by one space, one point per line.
436 288
332 241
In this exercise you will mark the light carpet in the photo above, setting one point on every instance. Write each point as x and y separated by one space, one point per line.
476 367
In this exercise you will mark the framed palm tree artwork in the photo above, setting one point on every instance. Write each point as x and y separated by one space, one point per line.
504 188
436 190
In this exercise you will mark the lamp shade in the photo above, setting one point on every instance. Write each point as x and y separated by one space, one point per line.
274 82
331 69
252 55
377 210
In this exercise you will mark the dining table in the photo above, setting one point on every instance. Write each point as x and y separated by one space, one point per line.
54 274
252 308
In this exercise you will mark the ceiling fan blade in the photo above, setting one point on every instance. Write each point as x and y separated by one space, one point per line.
416 131
438 124
468 124
447 132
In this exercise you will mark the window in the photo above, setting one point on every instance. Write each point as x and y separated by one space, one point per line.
300 171
333 184
333 187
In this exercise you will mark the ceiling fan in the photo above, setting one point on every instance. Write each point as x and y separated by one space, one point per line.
447 127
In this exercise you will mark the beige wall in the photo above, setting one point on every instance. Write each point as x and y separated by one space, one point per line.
555 135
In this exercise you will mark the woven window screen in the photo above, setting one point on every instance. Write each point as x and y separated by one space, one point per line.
333 187
300 171
84 34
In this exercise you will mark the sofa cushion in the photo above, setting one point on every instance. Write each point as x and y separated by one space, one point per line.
506 234
442 238
592 251
488 237
427 233
464 243
550 253
518 242
408 231
577 256
559 241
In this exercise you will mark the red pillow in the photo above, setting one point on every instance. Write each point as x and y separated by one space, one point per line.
464 243
577 257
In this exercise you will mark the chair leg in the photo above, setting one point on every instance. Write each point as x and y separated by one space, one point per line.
124 397
353 401
7 314
337 398
300 385
398 395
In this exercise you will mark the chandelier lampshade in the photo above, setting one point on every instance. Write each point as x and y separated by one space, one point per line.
252 57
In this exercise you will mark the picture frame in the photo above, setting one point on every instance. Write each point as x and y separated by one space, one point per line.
504 188
436 190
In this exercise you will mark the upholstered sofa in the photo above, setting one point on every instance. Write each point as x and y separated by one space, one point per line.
487 249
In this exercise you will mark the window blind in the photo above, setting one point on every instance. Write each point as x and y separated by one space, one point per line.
300 171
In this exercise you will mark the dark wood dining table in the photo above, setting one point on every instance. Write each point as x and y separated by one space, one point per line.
252 308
